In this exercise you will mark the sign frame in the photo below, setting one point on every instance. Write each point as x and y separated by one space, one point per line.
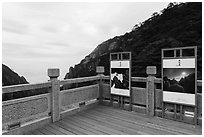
178 54
120 57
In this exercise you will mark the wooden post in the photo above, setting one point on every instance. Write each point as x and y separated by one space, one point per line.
55 94
150 90
100 71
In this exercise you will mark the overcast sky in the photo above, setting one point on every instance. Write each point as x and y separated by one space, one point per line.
38 36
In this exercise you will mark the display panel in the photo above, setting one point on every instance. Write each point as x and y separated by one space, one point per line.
179 80
120 77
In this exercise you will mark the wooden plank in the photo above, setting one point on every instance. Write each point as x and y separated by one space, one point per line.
28 133
116 121
127 125
79 80
54 130
111 124
62 125
22 87
79 94
161 121
121 122
60 128
99 124
72 128
92 127
119 125
37 132
89 130
45 131
108 128
130 124
154 119
177 126
87 126
136 116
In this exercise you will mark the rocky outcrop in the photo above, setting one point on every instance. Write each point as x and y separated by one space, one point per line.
10 77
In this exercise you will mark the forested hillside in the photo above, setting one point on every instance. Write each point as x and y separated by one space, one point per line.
178 25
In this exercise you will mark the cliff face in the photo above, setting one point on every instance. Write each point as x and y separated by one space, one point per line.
9 77
178 25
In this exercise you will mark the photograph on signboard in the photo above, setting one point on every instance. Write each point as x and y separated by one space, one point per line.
179 80
120 78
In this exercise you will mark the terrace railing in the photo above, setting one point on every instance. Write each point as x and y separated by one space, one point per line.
28 113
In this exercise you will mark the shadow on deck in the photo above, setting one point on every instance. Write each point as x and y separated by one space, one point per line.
103 120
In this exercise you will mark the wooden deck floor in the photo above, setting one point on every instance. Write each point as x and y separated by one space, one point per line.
102 120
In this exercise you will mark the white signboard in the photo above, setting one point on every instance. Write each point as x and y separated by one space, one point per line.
179 63
120 64
177 97
179 80
120 77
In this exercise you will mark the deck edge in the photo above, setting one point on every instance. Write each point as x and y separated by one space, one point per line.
28 126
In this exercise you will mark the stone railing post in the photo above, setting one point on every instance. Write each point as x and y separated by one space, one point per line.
100 71
55 94
150 90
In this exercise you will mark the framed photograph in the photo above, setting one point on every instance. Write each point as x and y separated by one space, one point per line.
179 80
120 83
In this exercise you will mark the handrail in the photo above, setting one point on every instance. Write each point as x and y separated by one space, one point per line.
139 79
143 79
106 77
78 80
23 87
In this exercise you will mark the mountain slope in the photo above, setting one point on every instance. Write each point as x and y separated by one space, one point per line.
178 25
9 77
